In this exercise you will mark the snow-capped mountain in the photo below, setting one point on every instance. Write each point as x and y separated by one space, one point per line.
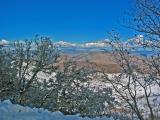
136 40
102 43
64 44
98 44
4 42
132 42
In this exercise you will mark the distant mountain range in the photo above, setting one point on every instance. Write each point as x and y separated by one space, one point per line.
102 43
97 46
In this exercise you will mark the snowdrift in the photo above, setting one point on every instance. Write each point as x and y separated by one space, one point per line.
9 111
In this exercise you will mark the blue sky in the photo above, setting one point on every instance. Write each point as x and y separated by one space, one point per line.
68 20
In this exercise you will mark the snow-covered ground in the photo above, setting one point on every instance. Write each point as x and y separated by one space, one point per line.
9 111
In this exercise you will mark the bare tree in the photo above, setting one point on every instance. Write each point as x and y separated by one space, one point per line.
147 21
145 18
139 73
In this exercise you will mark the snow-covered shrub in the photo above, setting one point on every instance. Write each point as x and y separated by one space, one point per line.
20 64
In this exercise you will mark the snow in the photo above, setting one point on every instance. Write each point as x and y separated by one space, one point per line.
95 44
4 42
101 43
63 43
9 111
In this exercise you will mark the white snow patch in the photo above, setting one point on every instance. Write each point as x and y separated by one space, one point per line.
9 111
